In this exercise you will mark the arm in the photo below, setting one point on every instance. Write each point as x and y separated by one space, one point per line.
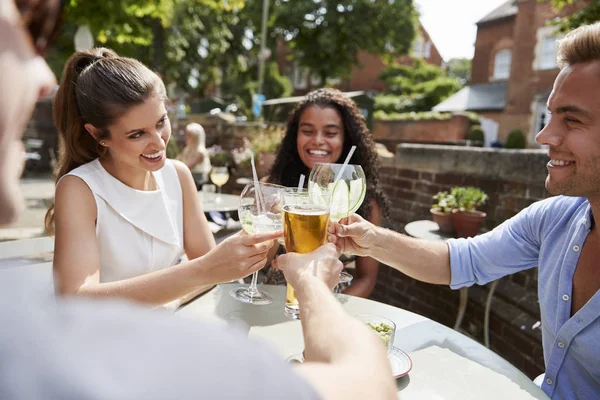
77 258
420 259
336 366
366 267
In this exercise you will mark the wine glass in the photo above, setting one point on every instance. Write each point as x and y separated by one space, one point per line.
345 187
255 219
219 176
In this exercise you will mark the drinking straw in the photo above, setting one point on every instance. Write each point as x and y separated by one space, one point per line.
301 183
257 193
350 153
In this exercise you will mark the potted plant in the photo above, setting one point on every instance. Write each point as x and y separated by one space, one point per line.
467 217
441 211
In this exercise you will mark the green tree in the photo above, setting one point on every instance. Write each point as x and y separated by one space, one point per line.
326 35
459 68
587 15
416 87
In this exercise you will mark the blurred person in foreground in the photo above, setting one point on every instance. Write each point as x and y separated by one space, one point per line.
194 154
559 234
78 349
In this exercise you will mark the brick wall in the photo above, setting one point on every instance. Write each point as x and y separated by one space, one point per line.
392 133
513 179
489 35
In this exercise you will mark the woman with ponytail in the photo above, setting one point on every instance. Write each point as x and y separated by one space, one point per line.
123 213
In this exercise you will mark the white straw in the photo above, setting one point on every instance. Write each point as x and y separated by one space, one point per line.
257 193
301 183
350 153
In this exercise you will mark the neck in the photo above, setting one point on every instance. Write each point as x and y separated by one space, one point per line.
135 178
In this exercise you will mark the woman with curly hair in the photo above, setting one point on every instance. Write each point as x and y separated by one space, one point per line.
322 129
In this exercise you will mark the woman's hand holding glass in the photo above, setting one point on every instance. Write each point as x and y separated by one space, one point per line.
258 212
239 255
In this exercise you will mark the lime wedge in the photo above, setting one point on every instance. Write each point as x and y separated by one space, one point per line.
340 201
358 190
316 195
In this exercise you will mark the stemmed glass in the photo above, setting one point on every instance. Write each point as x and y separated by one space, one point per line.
219 176
346 188
255 219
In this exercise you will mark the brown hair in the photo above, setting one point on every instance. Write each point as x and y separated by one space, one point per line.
288 166
580 45
97 87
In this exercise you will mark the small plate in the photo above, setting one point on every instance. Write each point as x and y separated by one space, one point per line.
400 361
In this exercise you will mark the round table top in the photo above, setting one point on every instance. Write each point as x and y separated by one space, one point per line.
227 203
426 229
413 332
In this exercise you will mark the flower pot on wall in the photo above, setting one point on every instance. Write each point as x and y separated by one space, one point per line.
265 162
468 224
444 220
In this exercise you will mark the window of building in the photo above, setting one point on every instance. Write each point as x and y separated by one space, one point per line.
545 49
548 56
502 64
427 50
418 47
300 76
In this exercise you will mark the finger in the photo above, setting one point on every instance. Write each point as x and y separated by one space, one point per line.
255 238
257 265
258 248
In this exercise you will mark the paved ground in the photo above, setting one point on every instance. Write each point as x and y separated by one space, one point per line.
39 193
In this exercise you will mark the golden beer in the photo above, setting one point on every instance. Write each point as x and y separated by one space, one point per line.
304 230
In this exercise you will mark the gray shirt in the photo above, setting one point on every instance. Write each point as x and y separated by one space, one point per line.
86 349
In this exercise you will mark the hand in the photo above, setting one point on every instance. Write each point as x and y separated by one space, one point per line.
322 263
352 235
239 255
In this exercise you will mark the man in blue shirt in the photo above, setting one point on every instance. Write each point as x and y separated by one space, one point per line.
558 234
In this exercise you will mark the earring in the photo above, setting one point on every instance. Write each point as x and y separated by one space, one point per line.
103 143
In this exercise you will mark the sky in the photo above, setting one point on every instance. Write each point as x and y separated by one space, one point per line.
451 23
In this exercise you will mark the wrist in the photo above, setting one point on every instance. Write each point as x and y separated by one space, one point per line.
305 286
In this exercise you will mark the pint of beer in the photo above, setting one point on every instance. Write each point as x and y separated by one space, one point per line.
304 230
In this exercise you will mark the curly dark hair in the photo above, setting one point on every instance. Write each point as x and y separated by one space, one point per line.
288 166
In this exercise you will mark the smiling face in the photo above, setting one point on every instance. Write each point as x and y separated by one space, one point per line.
573 133
320 136
138 140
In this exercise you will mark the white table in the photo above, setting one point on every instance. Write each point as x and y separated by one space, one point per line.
413 332
228 203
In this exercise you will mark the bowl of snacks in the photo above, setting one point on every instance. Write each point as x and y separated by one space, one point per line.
383 327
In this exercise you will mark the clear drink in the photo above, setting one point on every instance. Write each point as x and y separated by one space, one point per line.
304 230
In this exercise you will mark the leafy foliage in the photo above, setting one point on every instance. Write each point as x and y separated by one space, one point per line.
587 15
459 68
515 140
416 87
412 116
444 202
326 35
476 133
468 198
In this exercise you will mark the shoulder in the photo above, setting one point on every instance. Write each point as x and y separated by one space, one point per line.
183 173
73 194
557 207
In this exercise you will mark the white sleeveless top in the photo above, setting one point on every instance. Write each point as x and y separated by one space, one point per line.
137 231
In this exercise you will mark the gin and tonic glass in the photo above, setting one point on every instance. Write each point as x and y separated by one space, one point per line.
255 218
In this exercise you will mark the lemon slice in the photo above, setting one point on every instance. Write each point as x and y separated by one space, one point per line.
358 191
340 201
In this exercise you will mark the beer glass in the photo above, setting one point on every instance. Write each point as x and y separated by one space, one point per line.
304 230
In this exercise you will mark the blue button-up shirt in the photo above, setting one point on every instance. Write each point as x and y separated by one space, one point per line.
549 234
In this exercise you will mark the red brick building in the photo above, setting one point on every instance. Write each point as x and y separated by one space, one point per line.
514 67
365 76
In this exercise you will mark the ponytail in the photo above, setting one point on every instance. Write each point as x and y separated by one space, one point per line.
97 87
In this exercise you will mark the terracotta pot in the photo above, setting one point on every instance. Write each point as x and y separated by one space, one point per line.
444 220
468 224
265 162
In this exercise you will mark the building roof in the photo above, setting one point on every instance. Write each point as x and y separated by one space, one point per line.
507 9
482 97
